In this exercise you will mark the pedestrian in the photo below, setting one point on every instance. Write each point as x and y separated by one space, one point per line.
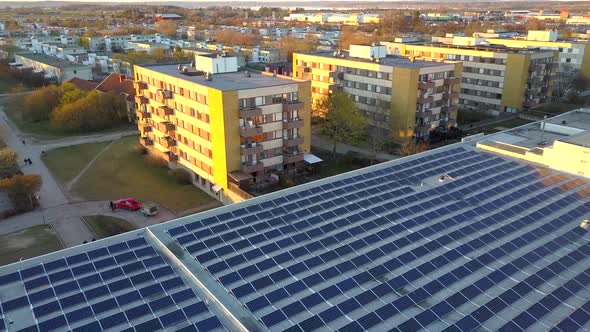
112 206
30 161
26 161
23 142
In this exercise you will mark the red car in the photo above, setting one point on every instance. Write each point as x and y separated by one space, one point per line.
128 204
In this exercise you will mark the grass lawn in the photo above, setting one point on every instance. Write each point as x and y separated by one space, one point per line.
496 127
31 242
105 226
333 165
119 173
556 108
467 117
45 130
66 163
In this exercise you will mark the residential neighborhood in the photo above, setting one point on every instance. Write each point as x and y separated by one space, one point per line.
294 166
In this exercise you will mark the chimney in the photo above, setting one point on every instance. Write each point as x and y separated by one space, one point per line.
121 78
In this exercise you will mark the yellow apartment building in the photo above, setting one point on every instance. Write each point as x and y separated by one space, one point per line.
401 97
229 129
494 78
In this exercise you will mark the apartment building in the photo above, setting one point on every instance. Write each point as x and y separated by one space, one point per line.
575 54
494 78
229 129
401 97
54 69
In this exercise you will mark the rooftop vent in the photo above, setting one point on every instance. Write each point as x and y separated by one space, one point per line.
585 224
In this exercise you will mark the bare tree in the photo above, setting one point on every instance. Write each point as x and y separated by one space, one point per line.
564 82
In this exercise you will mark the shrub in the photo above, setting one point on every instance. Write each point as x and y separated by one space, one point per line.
182 176
156 161
285 181
140 149
8 164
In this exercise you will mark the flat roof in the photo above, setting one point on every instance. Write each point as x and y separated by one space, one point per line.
484 48
573 127
225 81
52 61
390 60
452 238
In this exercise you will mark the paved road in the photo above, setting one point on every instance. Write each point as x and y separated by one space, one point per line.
68 225
55 207
322 142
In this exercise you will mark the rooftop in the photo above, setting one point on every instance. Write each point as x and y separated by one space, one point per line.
451 238
571 127
393 61
226 81
485 48
51 61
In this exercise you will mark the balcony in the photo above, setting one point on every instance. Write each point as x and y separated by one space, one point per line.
251 167
303 69
162 111
450 109
292 123
141 100
334 88
138 85
425 100
425 85
424 113
249 131
451 95
251 149
250 112
291 141
169 156
162 95
336 75
143 115
166 127
146 141
289 106
168 142
292 157
452 80
144 127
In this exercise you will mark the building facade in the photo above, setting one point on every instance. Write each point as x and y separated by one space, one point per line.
401 97
495 79
55 69
229 129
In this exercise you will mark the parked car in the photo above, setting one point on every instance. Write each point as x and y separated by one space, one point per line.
149 209
128 204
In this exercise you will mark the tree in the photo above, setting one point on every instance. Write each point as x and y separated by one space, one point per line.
166 27
70 93
342 123
289 45
22 190
38 105
8 164
376 136
351 37
394 22
564 82
93 112
534 24
410 147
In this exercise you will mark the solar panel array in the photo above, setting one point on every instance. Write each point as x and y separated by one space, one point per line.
496 245
125 286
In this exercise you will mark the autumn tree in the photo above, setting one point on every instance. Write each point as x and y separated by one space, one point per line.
22 190
394 22
410 147
166 27
289 45
38 105
8 164
351 37
70 93
342 122
93 112
230 37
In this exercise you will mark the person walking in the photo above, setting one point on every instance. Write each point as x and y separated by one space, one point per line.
112 206
26 161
